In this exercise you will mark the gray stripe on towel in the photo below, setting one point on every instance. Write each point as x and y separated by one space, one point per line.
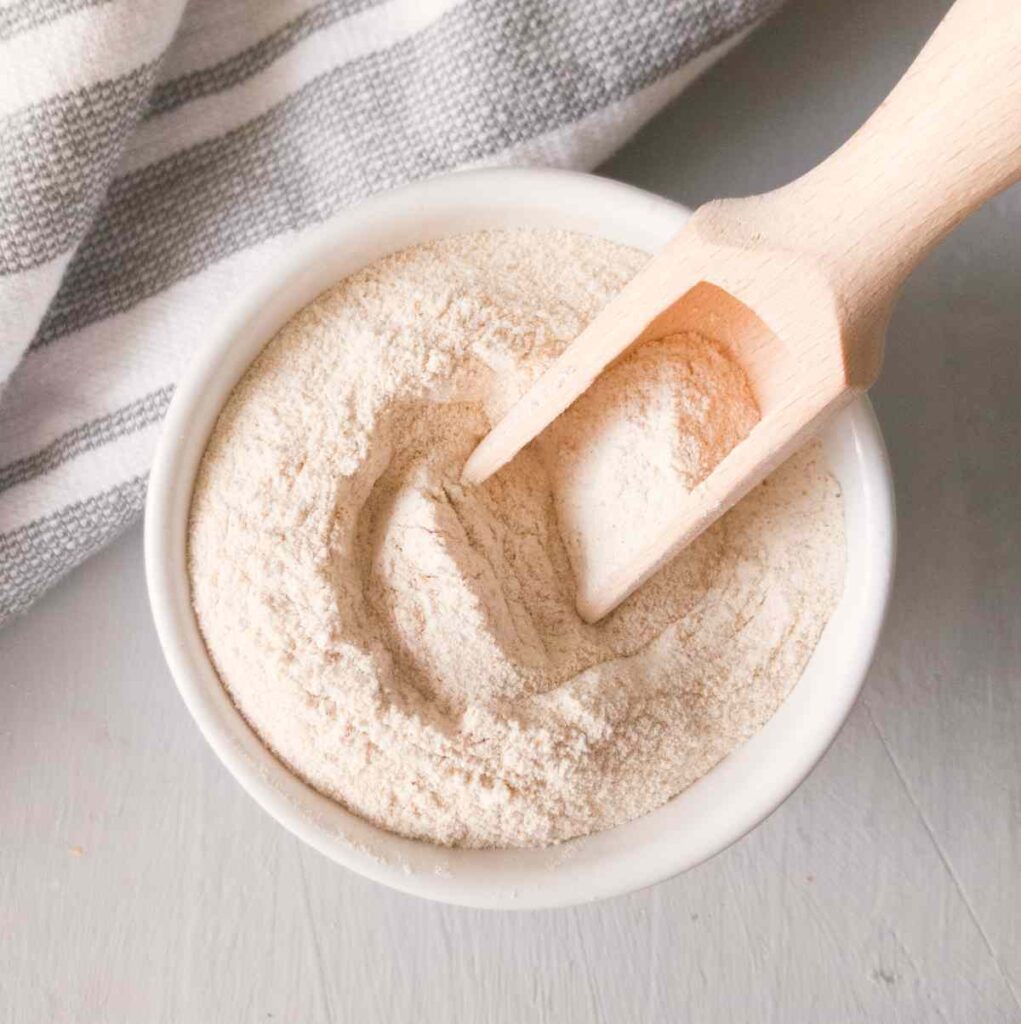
87 437
234 70
29 14
34 556
56 158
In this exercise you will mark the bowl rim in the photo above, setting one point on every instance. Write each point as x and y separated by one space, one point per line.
515 879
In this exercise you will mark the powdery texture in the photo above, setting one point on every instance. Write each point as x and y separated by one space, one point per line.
630 450
410 647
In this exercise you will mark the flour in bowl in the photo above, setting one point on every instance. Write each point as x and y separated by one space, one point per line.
409 646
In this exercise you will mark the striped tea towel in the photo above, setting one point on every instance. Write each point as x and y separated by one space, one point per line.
154 156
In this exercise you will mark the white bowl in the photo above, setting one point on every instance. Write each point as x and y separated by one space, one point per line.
698 823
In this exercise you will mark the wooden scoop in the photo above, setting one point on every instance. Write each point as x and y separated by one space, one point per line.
798 284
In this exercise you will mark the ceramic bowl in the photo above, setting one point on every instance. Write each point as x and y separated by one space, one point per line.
698 823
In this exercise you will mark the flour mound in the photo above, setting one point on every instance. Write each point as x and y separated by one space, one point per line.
410 647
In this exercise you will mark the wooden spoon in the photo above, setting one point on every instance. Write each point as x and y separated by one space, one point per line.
798 284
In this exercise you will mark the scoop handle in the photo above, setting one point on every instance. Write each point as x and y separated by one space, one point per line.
946 139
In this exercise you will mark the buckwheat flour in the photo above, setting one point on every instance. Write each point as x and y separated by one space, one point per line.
409 646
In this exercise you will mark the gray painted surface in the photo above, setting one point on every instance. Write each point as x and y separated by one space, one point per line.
137 881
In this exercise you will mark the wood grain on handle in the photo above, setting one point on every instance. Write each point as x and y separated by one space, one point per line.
946 139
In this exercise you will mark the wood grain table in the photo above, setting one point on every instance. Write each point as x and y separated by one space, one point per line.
138 883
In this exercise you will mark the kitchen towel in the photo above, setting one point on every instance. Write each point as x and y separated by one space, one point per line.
156 157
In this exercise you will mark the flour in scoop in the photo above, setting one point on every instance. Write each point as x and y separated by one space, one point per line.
625 455
410 646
